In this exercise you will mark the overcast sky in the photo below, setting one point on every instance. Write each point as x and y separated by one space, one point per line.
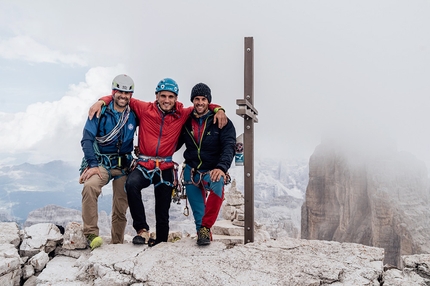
320 66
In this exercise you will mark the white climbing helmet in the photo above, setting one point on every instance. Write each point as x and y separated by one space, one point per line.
123 82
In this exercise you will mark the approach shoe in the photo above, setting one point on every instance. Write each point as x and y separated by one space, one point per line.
204 236
142 237
94 241
152 242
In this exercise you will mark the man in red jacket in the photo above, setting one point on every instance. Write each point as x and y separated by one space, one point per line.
160 124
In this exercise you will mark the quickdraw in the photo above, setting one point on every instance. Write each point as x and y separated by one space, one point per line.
179 192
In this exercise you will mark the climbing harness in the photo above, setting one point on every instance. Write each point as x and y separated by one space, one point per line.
180 192
112 160
108 162
156 159
202 174
149 174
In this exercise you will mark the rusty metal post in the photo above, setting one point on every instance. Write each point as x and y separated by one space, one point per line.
249 113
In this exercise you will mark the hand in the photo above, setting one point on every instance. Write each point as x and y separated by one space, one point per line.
216 175
96 108
88 173
221 118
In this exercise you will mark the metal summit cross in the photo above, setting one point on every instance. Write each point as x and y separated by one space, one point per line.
249 114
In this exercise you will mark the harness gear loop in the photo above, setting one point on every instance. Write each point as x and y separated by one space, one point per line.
182 190
149 174
144 158
201 175
107 161
177 187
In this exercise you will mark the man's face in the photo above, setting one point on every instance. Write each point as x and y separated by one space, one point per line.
201 104
166 100
121 98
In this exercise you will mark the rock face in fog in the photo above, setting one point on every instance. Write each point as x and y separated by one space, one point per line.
378 199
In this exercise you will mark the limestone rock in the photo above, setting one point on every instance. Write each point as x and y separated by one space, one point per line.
10 233
273 262
53 214
396 277
32 281
233 197
224 227
60 271
285 261
10 265
27 271
380 200
40 237
39 261
421 262
73 237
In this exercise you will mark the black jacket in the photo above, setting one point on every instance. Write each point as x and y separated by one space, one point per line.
216 148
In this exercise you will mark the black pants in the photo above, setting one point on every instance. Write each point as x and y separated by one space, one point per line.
136 181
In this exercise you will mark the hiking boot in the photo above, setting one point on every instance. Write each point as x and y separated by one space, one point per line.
204 236
142 237
152 242
94 240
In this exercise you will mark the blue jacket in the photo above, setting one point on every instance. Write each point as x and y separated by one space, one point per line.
208 147
122 145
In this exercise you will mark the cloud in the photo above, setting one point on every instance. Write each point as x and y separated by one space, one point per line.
320 67
27 49
49 131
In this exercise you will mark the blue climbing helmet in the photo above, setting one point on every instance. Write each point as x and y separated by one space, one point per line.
123 82
167 84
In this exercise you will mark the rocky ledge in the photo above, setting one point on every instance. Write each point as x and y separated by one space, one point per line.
42 255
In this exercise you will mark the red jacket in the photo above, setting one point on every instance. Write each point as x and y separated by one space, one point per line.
158 131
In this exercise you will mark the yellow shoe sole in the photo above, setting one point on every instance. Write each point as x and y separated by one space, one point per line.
97 242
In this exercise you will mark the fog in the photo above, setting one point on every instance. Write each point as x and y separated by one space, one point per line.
322 68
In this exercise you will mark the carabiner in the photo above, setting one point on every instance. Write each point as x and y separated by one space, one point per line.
186 211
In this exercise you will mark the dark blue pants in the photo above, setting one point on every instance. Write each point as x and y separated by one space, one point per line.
136 181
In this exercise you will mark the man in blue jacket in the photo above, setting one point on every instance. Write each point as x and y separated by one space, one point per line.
208 156
107 144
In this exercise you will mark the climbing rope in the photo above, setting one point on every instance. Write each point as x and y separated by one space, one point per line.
114 133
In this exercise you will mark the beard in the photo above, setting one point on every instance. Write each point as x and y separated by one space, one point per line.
121 102
201 110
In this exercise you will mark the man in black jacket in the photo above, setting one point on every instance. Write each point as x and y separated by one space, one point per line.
208 156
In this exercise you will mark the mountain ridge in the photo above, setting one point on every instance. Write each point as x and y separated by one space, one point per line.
279 191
